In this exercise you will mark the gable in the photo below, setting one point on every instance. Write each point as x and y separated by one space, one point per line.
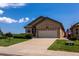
75 25
41 19
48 24
37 20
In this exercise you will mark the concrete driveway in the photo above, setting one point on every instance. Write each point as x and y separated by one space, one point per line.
35 46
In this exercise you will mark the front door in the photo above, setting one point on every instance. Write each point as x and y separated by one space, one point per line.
34 31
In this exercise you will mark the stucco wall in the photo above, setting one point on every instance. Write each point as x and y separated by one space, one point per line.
61 33
47 25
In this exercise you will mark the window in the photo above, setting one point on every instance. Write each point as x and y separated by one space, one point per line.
28 31
34 31
76 31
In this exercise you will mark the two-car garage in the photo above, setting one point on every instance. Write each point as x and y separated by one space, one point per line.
47 34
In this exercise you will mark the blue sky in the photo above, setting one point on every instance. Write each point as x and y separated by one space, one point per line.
13 17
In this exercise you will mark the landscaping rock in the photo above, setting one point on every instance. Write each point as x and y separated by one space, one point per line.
70 43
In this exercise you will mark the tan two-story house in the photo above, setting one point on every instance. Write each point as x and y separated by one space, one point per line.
45 27
75 30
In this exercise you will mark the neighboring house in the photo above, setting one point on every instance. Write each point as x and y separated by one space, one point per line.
68 33
44 27
75 30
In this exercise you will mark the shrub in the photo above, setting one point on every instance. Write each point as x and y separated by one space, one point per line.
69 36
73 38
18 36
23 36
3 37
28 36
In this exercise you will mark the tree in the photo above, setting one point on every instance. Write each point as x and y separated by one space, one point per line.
8 34
1 33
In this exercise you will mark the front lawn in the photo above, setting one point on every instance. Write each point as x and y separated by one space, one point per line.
59 45
8 42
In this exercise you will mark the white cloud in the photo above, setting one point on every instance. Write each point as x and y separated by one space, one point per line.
10 20
3 5
23 20
1 12
7 20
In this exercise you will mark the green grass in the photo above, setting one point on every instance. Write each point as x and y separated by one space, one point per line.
59 45
8 42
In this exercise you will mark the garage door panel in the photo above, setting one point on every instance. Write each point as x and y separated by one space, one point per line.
47 34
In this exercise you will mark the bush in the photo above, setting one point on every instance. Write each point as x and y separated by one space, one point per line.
23 36
9 34
18 36
28 36
73 38
3 37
